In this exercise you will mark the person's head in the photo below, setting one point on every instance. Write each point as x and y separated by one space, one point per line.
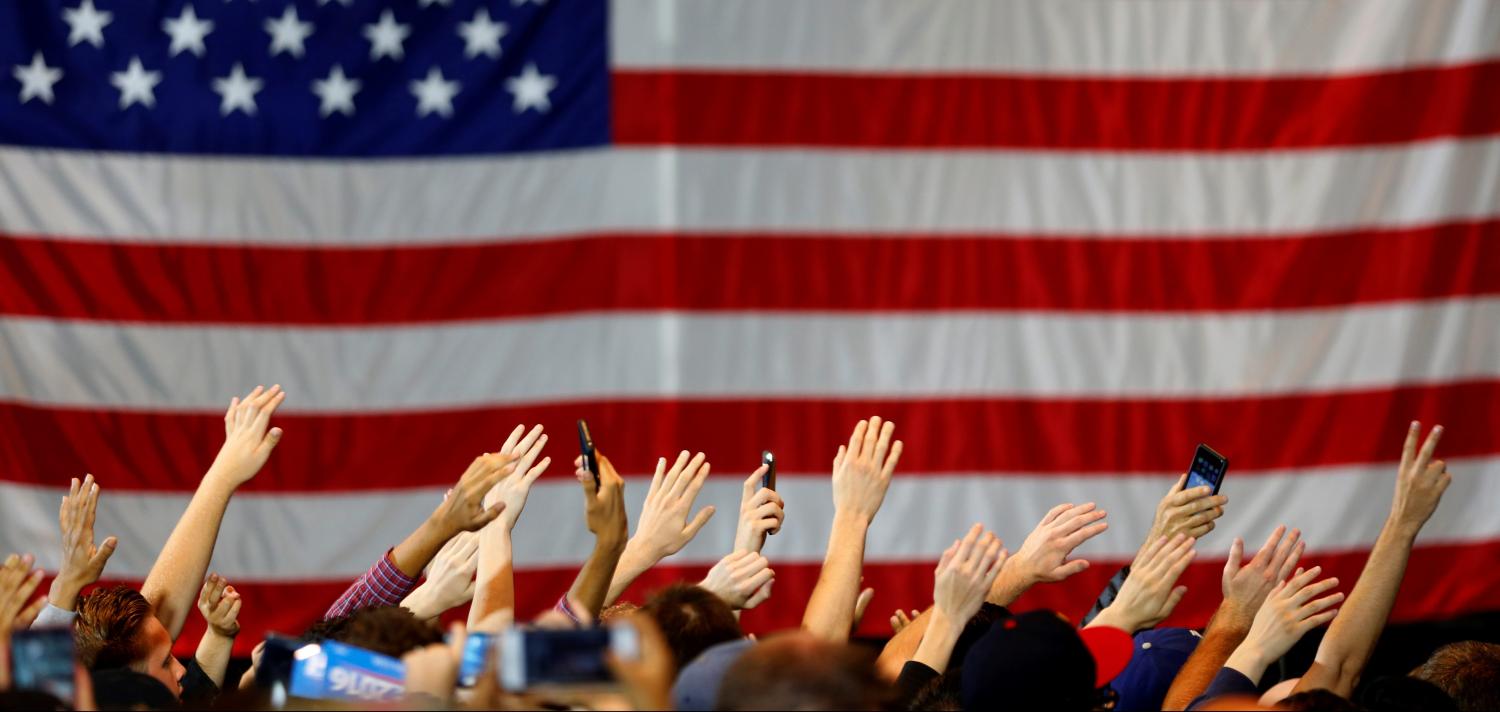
692 620
799 671
388 630
1469 672
1038 660
1323 700
1398 693
116 629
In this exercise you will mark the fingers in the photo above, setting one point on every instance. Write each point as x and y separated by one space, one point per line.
872 438
1274 547
1172 600
838 459
28 615
883 443
856 441
1236 552
1180 484
1076 539
1053 514
1312 591
761 594
1287 566
106 550
892 459
760 578
1409 449
1312 608
513 439
1076 518
861 603
535 473
1429 446
1070 568
752 484
1302 579
1184 497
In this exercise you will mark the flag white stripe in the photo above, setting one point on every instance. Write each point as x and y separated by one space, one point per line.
1057 37
658 354
292 202
296 537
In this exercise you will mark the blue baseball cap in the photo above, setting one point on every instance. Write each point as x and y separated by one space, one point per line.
697 686
1159 654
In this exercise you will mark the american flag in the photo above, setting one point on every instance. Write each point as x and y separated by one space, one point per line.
1058 242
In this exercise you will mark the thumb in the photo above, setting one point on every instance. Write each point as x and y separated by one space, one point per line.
272 438
106 550
701 519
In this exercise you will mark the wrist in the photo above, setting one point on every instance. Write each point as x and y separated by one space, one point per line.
221 634
1401 529
845 520
1249 660
943 622
64 591
1009 586
1233 616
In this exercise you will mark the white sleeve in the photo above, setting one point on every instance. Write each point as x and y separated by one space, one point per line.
54 617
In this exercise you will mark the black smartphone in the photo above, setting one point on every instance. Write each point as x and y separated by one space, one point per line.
42 660
586 446
768 460
1208 469
533 657
275 665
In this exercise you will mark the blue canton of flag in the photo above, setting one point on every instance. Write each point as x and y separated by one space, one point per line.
310 77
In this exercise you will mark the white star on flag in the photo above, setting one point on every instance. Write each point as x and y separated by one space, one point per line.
37 79
481 35
336 93
386 37
238 91
136 84
288 33
531 89
86 24
434 94
187 32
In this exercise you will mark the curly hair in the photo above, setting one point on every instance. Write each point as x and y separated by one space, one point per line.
389 630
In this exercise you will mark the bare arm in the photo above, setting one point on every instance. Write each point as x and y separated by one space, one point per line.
1346 648
964 575
82 561
605 511
664 526
495 587
1245 589
861 475
173 582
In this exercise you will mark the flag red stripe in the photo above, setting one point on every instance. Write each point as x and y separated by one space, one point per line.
1431 591
722 272
168 452
730 108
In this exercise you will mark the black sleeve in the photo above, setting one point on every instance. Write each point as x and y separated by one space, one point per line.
1107 596
198 690
914 676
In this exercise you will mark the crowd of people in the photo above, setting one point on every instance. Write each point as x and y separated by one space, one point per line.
688 651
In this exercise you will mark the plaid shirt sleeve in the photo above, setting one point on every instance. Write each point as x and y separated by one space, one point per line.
382 585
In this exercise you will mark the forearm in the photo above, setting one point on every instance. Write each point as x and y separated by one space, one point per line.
413 554
1250 661
173 582
937 644
495 589
1225 632
592 585
213 655
1009 586
902 646
831 606
1352 635
633 563
64 592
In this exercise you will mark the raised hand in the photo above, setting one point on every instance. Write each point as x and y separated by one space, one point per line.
220 605
900 619
450 578
1190 512
862 469
1289 612
82 561
1420 482
17 582
1043 556
1246 587
761 512
964 575
463 510
248 437
604 506
743 579
664 527
513 489
1150 593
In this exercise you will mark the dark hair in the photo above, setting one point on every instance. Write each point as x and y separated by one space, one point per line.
129 690
800 671
941 694
388 630
108 630
1469 672
1397 693
1319 699
692 620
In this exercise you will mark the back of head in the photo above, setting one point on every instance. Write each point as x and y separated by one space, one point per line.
1318 699
109 628
1469 672
692 620
388 630
1396 693
1032 661
798 671
120 689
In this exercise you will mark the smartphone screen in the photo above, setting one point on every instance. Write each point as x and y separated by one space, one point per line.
1208 469
42 660
768 480
539 658
586 447
476 650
